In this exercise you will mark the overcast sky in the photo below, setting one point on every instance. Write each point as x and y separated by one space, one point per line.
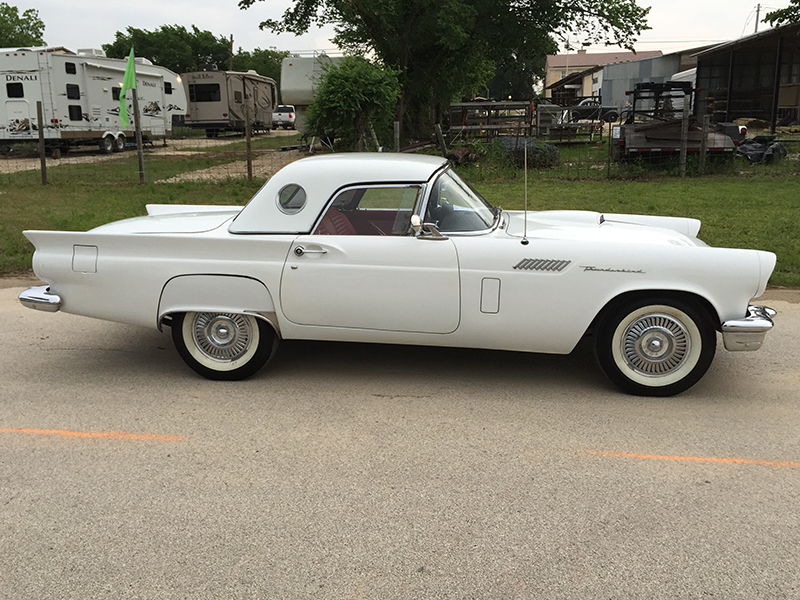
676 24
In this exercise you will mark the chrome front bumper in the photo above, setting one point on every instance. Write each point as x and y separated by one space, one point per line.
40 298
748 333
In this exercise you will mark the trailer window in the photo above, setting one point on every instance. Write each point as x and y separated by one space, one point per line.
204 92
237 97
70 68
73 92
167 87
75 112
14 90
115 91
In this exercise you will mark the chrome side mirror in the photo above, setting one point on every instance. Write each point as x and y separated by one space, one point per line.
425 231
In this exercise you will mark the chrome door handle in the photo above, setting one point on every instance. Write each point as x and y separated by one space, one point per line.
300 251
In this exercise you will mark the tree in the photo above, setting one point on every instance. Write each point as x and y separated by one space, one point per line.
784 16
264 62
20 30
353 98
444 47
173 47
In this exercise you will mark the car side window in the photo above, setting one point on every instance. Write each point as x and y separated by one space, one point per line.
374 210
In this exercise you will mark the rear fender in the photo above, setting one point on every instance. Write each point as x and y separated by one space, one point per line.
216 293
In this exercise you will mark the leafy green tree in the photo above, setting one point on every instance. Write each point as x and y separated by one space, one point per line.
172 46
20 30
264 62
516 75
784 16
354 100
441 48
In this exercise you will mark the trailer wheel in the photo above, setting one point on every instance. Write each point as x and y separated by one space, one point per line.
107 144
119 143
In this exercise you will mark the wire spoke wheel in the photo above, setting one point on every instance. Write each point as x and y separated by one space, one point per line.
222 336
655 345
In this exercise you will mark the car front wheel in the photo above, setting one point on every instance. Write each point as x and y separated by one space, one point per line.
223 346
656 347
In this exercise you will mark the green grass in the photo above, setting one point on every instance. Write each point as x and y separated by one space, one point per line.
738 212
75 207
741 206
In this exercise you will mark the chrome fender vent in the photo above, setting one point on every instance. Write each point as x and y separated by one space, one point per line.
542 264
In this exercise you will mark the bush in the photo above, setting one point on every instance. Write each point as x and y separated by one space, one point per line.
540 155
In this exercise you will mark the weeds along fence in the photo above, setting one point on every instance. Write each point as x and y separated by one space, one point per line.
503 158
179 158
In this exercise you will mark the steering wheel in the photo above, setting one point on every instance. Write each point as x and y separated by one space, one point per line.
439 210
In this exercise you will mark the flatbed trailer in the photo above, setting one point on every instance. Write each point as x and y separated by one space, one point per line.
652 124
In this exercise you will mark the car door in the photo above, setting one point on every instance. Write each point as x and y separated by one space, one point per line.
367 272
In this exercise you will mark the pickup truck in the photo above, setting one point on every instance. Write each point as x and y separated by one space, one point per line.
284 117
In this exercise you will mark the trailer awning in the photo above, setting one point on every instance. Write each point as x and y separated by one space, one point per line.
122 69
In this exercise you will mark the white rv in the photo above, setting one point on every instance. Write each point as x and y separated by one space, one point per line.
219 100
80 94
300 76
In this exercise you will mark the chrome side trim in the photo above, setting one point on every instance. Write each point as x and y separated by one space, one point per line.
748 333
40 298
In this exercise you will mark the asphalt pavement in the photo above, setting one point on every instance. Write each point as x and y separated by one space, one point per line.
362 471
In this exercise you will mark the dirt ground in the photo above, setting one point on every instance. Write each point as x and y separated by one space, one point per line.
90 155
264 165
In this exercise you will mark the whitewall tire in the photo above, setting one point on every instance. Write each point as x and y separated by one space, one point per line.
226 346
652 347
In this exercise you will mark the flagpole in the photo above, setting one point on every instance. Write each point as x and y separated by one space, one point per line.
139 146
129 83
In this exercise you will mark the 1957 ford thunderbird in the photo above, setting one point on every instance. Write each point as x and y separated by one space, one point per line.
399 249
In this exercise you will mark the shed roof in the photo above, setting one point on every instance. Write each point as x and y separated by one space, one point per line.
753 37
555 61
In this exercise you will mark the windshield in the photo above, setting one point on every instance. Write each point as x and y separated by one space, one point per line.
454 206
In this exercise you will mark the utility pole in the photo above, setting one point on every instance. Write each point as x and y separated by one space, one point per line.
230 60
758 16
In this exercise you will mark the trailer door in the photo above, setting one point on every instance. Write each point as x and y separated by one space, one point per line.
18 116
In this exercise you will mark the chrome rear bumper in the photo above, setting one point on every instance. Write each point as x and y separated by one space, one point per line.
40 298
748 333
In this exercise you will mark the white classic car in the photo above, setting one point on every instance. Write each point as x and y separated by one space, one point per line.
399 249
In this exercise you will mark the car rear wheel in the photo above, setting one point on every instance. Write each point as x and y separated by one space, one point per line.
223 346
653 347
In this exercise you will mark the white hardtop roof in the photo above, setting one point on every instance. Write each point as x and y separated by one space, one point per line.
321 177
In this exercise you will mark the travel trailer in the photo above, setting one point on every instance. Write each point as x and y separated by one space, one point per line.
300 76
80 92
220 100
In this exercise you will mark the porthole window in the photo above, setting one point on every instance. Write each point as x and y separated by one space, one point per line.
292 199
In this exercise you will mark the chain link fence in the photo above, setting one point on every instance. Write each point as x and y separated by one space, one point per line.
189 156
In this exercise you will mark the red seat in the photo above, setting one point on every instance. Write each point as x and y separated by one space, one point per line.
335 223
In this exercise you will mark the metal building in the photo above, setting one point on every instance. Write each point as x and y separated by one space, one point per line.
755 77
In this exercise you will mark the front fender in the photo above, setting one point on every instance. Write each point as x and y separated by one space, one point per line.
216 293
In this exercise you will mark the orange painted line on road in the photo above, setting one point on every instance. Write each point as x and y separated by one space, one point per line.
117 435
739 461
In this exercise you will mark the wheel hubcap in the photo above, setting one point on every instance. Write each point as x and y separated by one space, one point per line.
222 336
655 345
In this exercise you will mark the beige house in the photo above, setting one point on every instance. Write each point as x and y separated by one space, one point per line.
559 66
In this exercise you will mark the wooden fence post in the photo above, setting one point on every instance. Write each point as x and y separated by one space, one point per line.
42 155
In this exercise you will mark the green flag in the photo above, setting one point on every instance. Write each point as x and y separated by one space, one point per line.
128 83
